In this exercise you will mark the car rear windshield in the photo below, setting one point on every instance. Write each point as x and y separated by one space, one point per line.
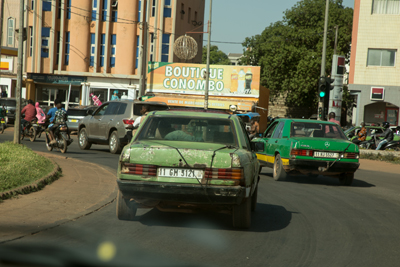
77 112
317 130
10 103
189 129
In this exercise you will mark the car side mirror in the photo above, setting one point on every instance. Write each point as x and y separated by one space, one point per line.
257 146
89 112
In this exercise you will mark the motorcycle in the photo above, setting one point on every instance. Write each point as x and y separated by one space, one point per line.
62 139
29 130
3 119
374 141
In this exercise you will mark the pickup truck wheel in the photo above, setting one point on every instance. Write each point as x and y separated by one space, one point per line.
126 210
254 199
241 214
346 178
279 173
83 139
115 146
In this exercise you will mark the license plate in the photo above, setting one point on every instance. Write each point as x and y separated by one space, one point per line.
73 120
318 154
180 173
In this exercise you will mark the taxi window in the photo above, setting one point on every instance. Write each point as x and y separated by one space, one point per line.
270 130
279 130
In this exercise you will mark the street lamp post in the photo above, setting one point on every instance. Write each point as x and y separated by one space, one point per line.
323 62
208 60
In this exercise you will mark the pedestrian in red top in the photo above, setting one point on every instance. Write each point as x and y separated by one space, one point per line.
30 113
332 117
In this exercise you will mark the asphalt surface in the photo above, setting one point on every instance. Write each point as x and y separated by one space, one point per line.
299 222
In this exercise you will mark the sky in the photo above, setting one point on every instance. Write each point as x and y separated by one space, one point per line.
234 20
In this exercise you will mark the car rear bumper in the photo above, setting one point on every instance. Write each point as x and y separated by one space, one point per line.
321 167
185 193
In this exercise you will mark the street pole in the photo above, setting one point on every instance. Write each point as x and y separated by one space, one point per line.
1 24
323 63
208 61
336 36
17 122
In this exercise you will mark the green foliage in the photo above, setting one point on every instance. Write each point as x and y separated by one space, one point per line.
290 51
217 57
20 166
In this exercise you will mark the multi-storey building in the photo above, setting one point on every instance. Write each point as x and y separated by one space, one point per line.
374 69
75 48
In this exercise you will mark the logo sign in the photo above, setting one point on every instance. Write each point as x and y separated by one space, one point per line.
338 66
377 93
184 78
327 144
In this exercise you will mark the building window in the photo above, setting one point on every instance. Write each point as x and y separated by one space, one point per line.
30 41
151 47
45 41
67 39
68 9
104 12
94 9
102 49
10 31
58 47
386 7
165 47
139 10
59 9
33 5
167 9
113 50
92 49
381 57
189 14
46 6
137 50
182 11
114 17
153 8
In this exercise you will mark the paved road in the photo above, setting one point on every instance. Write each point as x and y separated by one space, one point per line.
300 222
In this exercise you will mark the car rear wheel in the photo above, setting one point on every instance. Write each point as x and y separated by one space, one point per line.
83 140
126 209
346 178
241 214
279 173
115 146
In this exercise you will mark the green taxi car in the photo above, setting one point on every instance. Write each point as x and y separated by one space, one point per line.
189 160
309 147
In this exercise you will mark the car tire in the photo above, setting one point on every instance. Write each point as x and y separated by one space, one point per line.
279 173
346 179
126 209
114 144
241 214
83 140
254 199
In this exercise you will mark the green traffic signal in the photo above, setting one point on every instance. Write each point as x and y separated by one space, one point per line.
321 94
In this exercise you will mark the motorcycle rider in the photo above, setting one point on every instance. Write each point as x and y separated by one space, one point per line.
387 135
362 135
57 116
30 113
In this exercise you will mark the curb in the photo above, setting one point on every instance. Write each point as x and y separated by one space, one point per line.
395 154
36 185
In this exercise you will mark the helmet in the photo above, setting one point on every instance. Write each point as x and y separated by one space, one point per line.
385 124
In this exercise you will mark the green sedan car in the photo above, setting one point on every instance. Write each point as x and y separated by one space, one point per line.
189 160
309 147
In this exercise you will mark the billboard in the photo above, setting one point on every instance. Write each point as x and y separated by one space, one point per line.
185 78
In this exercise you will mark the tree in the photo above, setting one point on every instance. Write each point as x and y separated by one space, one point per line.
217 57
290 51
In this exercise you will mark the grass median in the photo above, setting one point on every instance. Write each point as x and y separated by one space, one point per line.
20 166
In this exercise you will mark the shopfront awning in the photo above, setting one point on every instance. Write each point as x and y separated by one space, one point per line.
9 51
213 102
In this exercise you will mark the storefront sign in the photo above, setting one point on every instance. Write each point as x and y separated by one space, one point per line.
243 81
57 79
377 93
6 65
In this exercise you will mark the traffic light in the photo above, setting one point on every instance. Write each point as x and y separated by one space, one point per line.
329 83
322 87
320 112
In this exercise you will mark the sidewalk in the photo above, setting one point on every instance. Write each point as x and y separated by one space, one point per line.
83 188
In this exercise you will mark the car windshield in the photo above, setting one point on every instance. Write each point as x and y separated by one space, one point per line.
77 112
317 130
189 129
349 130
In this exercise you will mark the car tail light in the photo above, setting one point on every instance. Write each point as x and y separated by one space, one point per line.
139 169
302 152
129 122
351 155
232 173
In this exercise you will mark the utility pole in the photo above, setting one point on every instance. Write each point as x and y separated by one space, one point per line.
145 34
208 60
17 122
1 24
323 62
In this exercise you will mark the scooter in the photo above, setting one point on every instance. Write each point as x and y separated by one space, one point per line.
374 141
62 139
29 130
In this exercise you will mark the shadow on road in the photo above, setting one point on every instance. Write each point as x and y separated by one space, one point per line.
265 218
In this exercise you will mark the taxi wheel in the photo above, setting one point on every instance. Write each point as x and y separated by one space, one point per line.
126 209
241 214
346 178
279 173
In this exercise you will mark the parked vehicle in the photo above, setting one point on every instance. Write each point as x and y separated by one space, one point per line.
374 141
247 117
111 123
309 147
352 132
29 130
75 114
62 139
10 104
188 160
